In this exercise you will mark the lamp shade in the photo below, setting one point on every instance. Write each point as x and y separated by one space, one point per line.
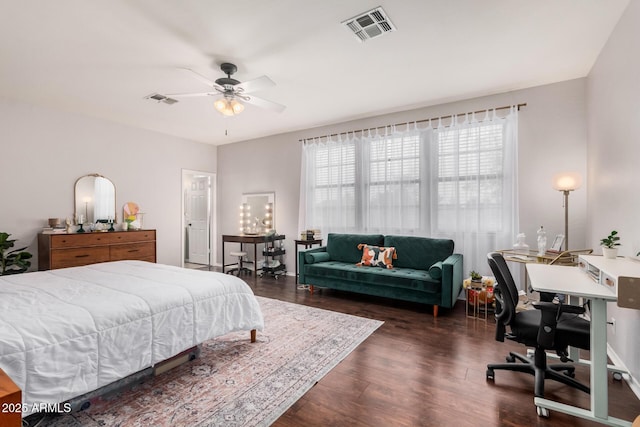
228 107
567 181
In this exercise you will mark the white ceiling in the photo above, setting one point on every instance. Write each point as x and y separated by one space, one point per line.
102 57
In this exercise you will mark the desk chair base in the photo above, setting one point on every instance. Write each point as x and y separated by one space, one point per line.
538 367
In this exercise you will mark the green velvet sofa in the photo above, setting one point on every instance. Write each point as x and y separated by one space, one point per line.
426 270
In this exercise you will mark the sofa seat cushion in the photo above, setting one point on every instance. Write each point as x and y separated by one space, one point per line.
406 278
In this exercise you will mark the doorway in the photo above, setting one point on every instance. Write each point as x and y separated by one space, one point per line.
198 224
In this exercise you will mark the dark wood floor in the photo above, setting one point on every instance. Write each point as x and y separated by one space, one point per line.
417 370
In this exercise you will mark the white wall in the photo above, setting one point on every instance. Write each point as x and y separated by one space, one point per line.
552 138
613 105
44 151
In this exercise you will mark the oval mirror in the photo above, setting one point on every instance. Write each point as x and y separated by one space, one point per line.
95 199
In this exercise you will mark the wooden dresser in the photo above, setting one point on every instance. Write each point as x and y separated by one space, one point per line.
10 402
72 250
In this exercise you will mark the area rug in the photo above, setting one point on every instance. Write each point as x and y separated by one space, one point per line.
235 382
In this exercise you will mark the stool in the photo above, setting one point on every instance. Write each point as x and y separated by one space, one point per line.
240 268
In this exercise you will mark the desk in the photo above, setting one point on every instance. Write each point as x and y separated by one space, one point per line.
307 244
571 280
242 239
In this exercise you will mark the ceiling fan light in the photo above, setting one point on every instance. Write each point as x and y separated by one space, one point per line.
237 107
220 105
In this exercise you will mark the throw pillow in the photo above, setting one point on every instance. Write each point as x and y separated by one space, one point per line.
314 257
375 256
435 271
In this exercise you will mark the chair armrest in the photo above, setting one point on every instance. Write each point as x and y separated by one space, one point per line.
302 261
553 307
452 277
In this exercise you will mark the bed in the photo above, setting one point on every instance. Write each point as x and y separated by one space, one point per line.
67 332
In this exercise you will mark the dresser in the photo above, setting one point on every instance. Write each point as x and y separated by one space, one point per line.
72 250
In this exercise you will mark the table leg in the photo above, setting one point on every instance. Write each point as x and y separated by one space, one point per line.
222 256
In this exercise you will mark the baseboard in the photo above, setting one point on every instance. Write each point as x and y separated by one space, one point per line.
633 382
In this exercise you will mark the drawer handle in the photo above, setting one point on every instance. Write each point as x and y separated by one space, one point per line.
133 250
82 256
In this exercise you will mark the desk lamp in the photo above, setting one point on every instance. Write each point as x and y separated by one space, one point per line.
566 182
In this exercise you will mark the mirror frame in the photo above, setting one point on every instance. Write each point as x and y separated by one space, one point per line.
75 199
271 199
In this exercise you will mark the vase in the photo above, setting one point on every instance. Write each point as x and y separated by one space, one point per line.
609 253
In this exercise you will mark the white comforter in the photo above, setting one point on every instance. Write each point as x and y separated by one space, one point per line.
66 332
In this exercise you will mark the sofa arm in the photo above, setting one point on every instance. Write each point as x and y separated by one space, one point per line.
452 277
302 260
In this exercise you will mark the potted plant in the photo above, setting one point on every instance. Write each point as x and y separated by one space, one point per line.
475 276
12 261
609 245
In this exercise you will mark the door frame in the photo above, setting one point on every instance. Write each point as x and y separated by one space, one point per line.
211 214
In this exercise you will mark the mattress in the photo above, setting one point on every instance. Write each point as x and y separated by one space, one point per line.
66 332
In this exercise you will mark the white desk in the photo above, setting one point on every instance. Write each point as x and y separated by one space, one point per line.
571 280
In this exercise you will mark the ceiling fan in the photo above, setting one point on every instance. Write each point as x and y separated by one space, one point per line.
233 92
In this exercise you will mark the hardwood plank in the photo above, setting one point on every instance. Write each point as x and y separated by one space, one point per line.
419 371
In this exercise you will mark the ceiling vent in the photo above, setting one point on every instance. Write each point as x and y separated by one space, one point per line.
161 98
369 25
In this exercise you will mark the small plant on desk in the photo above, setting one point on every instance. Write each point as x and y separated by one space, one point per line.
609 243
475 276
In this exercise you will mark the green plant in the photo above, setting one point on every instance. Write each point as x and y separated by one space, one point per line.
475 275
12 261
611 240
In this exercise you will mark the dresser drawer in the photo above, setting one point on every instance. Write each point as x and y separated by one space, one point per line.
131 236
76 240
73 257
145 251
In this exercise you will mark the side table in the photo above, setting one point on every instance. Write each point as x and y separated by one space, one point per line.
479 297
307 244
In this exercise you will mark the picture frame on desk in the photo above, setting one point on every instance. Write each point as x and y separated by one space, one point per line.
556 246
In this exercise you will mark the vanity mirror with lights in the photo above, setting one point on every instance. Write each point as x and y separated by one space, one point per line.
94 199
257 213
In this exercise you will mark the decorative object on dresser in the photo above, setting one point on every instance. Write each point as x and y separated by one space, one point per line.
12 261
94 199
72 250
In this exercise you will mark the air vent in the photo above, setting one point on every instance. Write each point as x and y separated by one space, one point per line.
161 98
369 25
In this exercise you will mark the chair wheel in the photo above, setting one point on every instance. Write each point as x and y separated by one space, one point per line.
510 359
570 372
542 412
490 375
617 376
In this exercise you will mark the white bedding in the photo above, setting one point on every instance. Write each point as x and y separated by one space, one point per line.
67 332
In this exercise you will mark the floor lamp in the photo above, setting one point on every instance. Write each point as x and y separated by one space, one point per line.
567 182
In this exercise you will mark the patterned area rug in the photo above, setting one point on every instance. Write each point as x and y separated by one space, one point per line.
234 382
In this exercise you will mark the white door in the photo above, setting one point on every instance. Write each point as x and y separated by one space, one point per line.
197 219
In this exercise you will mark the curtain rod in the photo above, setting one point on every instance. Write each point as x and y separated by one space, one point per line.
415 121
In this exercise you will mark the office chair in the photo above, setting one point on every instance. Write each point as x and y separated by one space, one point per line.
551 326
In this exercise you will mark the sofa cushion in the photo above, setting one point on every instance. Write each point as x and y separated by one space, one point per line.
376 256
312 257
419 252
436 270
406 278
344 247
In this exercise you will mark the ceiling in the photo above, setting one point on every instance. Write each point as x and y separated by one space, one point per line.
102 57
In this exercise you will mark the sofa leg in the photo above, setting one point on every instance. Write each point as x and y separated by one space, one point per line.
435 311
311 289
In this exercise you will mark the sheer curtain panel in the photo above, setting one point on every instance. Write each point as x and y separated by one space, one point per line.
454 181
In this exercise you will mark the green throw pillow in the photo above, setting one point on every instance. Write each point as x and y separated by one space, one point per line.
435 271
314 257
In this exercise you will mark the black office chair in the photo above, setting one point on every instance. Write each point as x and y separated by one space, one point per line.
552 326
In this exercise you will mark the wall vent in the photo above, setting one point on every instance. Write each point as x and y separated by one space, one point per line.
161 98
369 25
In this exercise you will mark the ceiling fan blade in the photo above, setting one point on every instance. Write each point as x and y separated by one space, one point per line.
200 77
262 82
187 95
263 103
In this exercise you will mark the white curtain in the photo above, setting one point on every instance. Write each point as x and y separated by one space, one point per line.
456 181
